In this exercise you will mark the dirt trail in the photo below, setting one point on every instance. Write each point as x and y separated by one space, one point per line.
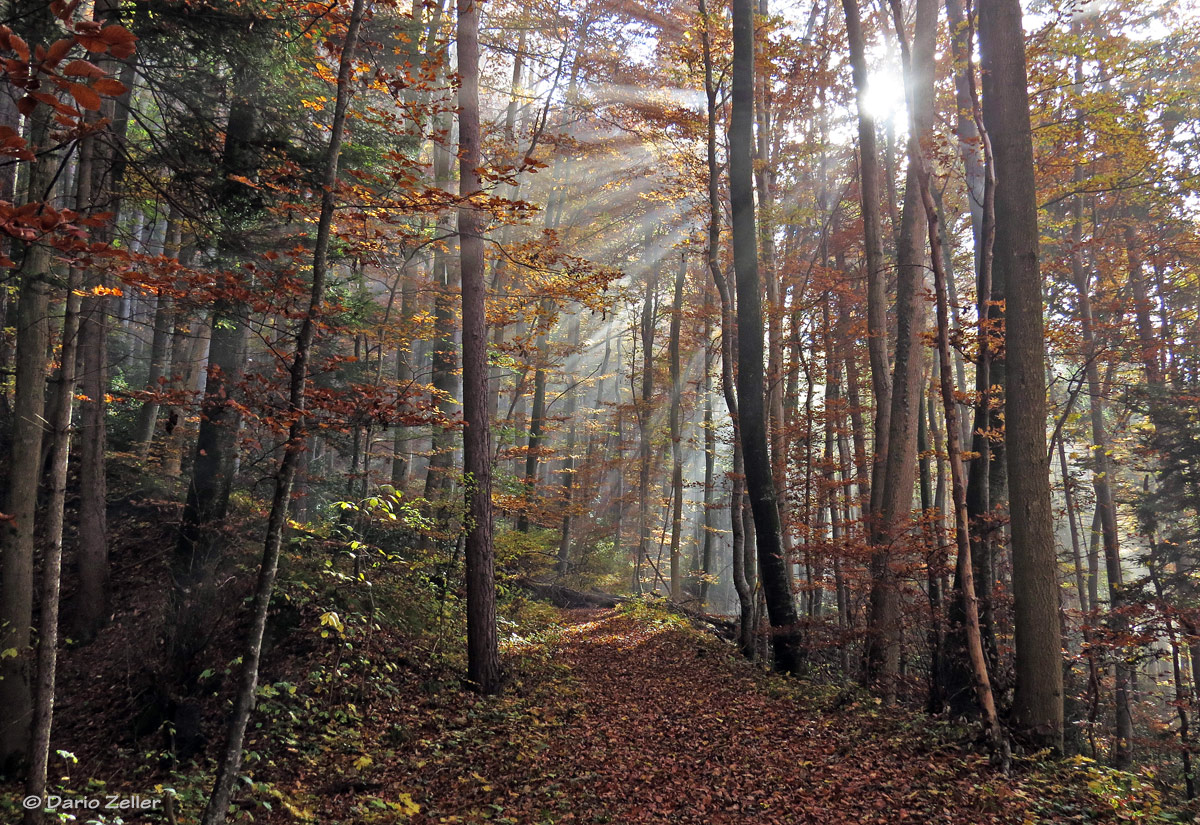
655 725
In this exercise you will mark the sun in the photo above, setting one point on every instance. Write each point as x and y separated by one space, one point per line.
884 99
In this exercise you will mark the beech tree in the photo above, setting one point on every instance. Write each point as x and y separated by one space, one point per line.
1039 694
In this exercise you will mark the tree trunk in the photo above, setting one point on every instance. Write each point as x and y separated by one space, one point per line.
892 518
750 379
710 455
644 410
868 174
1038 702
218 803
24 469
194 604
742 587
160 356
444 355
60 431
1105 505
675 414
568 472
483 658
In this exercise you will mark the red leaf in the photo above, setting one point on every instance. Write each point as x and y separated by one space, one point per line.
19 46
85 96
82 68
108 86
58 50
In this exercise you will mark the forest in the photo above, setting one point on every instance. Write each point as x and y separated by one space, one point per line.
692 411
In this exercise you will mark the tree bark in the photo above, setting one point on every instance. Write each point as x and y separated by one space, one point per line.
675 413
772 564
645 408
483 658
160 357
24 469
1038 701
60 432
201 542
728 348
1105 505
892 518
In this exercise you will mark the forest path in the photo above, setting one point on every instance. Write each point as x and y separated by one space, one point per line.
651 723
682 731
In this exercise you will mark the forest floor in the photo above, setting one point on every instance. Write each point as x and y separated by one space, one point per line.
628 715
641 721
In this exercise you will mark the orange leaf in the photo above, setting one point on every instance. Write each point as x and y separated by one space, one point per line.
85 96
58 50
19 46
109 86
82 68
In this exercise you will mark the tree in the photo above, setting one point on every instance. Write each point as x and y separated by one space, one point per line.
483 662
1038 703
750 380
227 772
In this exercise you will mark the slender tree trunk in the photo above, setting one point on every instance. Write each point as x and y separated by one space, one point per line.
160 357
1105 505
710 455
644 414
979 665
537 420
742 586
568 471
675 413
892 517
60 431
444 354
1071 508
91 608
218 803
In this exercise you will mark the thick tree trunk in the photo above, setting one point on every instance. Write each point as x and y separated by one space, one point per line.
752 417
24 468
1038 702
483 658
